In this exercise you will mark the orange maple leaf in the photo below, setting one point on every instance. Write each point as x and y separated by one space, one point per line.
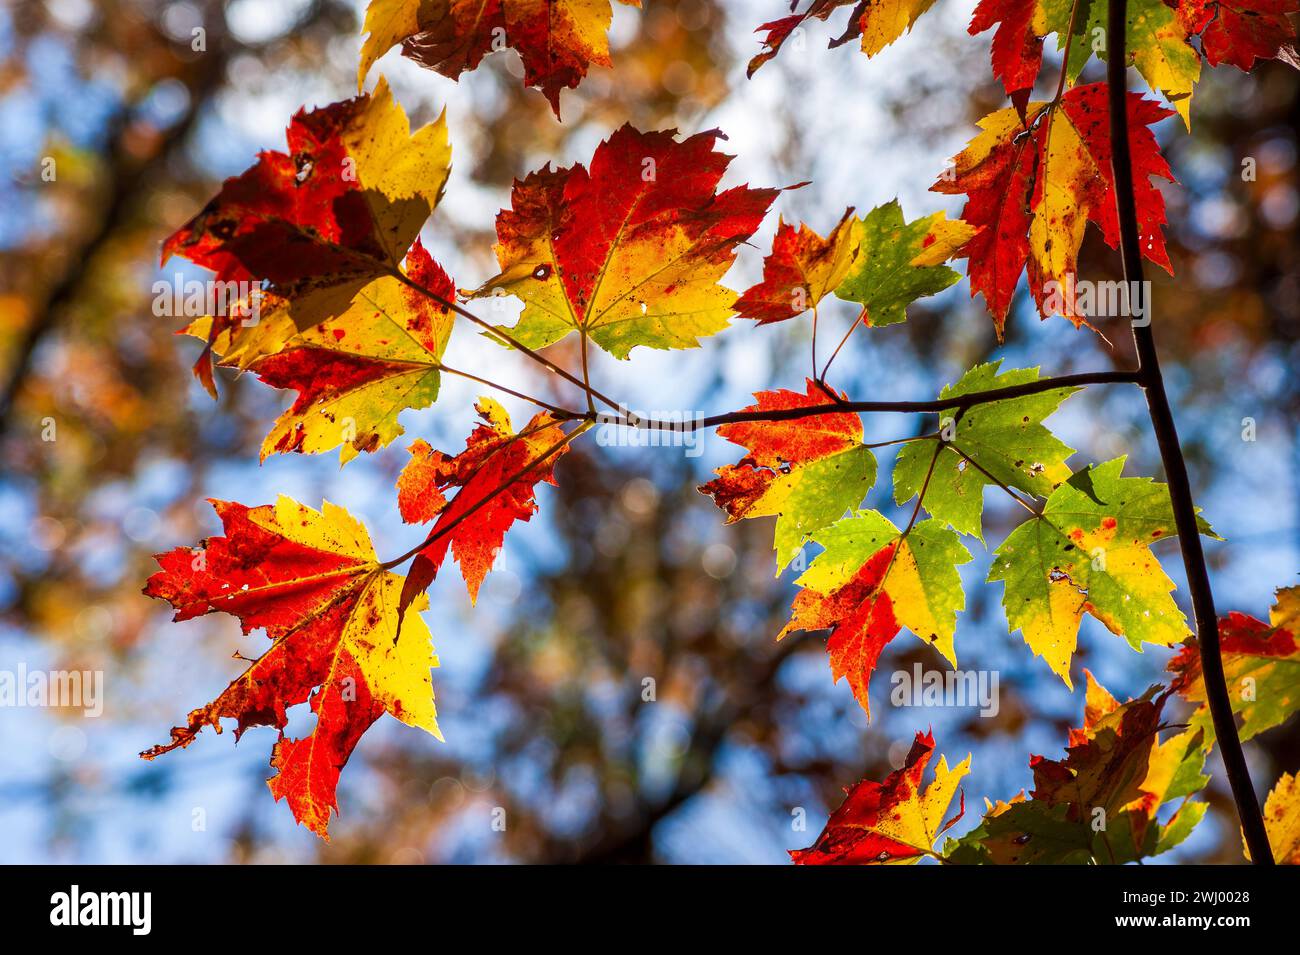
496 477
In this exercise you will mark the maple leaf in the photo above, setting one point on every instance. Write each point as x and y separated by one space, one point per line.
1018 41
877 23
336 212
1116 759
1282 821
998 443
778 31
1100 803
807 472
1089 551
872 580
894 822
557 40
630 252
312 581
354 373
1261 666
881 22
496 477
899 262
1156 43
237 339
1158 34
801 270
1032 189
1242 32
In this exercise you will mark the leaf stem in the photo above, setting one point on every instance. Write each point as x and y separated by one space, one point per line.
586 375
500 334
852 328
908 440
1162 422
816 377
925 486
1014 496
916 512
1065 54
556 409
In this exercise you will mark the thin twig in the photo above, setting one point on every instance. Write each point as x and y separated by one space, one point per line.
956 402
556 409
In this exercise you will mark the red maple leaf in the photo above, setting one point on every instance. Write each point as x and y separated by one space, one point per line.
1006 170
801 269
890 822
496 478
629 251
1242 32
557 40
1017 49
311 580
778 444
336 211
861 618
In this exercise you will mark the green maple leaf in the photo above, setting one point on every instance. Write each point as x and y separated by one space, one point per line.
1089 552
825 490
1156 43
872 580
1000 442
899 262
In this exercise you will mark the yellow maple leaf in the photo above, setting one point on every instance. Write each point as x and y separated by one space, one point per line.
1282 821
885 21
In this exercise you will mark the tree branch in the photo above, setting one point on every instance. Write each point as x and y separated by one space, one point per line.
956 402
130 178
1171 455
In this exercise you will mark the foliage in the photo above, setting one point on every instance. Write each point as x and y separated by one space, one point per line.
630 250
894 822
1261 662
311 580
